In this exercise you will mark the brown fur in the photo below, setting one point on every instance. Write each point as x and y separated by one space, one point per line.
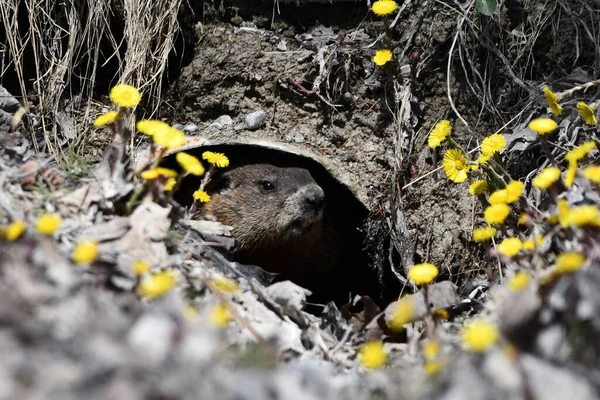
291 229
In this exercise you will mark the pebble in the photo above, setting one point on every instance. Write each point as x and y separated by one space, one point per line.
179 127
224 121
253 120
282 45
191 128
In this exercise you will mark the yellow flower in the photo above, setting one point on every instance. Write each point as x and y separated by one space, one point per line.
140 267
106 119
85 252
125 95
423 273
496 213
150 127
592 173
587 113
47 224
402 314
493 144
524 219
483 158
170 138
499 197
170 184
201 196
455 165
189 313
372 355
14 230
382 57
480 335
433 367
510 247
219 160
582 215
552 100
384 7
190 164
478 188
154 173
563 212
515 190
580 152
571 173
157 285
441 313
431 349
519 281
569 262
224 284
220 315
439 133
528 245
485 233
542 126
546 178
539 240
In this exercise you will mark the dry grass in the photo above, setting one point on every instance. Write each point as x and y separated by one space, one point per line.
69 36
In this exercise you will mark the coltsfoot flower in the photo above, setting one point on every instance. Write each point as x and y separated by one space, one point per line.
220 316
156 172
170 138
423 273
569 262
581 215
519 281
587 113
510 247
455 165
14 230
483 234
580 152
157 285
493 144
150 127
496 213
106 119
552 100
384 7
201 196
546 178
85 252
219 160
499 197
372 355
47 224
224 284
141 267
543 126
382 57
125 95
439 133
480 336
592 173
402 314
190 164
478 188
514 190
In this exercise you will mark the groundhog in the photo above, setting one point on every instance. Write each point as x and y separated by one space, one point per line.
286 223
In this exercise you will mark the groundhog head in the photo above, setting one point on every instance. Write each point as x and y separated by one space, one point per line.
266 204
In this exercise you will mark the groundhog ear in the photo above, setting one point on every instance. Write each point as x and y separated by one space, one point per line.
220 182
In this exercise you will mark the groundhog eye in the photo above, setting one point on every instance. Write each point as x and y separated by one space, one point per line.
267 185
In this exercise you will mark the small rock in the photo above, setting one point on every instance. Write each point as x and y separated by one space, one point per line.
282 46
179 127
255 120
190 128
299 138
224 121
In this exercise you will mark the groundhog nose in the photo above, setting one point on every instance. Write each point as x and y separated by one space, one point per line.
315 197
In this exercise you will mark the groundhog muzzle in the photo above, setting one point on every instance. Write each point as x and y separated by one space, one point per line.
286 223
